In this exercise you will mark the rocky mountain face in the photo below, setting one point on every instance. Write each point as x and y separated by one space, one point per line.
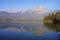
37 13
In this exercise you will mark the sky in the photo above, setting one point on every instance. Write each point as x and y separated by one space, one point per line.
28 4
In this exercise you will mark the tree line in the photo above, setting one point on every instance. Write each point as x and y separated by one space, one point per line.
53 20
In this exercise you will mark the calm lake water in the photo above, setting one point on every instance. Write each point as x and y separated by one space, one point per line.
26 31
19 35
25 26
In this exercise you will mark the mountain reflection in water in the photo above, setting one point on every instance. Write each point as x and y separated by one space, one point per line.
26 31
36 28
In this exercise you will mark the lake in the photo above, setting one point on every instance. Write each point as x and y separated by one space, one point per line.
26 31
25 26
19 35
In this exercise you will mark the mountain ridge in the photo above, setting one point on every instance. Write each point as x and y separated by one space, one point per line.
38 12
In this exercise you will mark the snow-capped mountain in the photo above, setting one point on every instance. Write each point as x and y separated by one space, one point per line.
38 12
39 9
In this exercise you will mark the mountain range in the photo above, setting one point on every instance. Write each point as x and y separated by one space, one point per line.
38 12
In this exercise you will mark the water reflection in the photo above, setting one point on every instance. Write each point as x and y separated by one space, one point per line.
29 25
36 28
55 27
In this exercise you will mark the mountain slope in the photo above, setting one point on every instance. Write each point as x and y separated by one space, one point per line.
38 13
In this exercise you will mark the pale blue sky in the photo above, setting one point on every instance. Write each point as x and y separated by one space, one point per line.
28 4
